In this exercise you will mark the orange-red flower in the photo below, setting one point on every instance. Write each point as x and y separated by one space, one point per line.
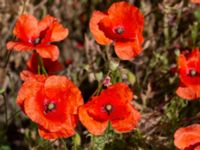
33 65
188 138
112 105
122 24
52 103
189 72
195 1
37 35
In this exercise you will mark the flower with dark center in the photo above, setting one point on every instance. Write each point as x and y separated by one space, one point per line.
37 35
189 68
112 105
192 73
49 107
52 103
119 30
122 25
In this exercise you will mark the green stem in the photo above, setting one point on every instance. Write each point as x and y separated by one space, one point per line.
41 63
64 144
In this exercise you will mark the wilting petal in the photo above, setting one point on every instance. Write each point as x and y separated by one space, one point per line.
26 28
187 136
93 126
52 67
127 50
48 51
20 46
94 28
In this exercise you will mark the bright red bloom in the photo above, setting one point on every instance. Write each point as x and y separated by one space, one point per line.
114 105
122 24
52 103
188 138
189 72
52 67
34 35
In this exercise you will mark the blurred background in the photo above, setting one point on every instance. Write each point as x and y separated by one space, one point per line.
171 26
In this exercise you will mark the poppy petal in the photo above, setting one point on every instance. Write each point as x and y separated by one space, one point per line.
186 92
57 86
190 81
187 136
182 62
46 22
123 22
119 90
94 28
20 46
26 28
56 32
129 123
127 11
67 130
28 89
34 108
48 51
26 75
63 133
127 50
93 126
195 1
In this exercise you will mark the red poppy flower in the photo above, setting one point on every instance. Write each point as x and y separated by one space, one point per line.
52 103
189 72
52 67
114 105
34 35
122 24
188 138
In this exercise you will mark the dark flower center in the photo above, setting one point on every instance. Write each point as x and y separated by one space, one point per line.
36 41
108 108
119 30
193 73
49 107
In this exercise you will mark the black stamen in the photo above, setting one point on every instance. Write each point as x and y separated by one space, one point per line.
192 73
108 108
49 107
119 30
